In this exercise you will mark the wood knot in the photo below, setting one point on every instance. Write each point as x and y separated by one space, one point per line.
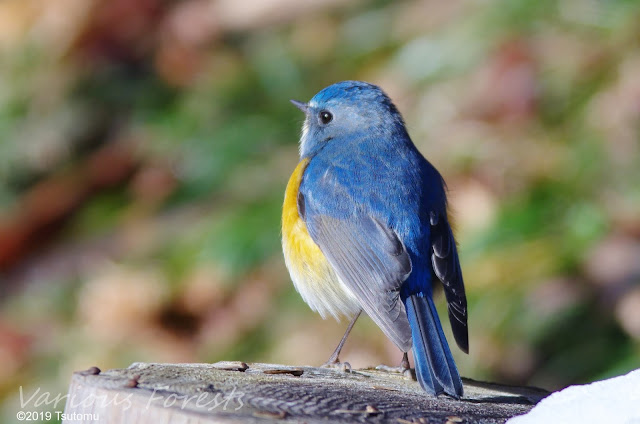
273 415
133 381
90 371
293 371
231 366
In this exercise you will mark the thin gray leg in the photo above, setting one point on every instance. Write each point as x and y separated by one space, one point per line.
334 358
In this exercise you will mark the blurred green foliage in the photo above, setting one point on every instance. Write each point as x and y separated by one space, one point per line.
145 147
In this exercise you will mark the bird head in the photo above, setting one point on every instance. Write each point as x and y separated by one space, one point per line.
343 109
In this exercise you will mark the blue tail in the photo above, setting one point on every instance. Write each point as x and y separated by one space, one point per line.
435 368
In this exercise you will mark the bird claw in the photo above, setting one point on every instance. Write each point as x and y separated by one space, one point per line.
402 370
388 368
341 366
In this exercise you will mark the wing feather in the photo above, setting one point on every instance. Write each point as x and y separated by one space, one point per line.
446 266
373 263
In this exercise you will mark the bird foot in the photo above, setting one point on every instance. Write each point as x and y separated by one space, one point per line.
404 368
405 371
336 364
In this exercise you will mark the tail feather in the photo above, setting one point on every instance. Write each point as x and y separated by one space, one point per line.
435 367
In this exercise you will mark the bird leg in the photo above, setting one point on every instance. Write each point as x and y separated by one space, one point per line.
334 360
404 367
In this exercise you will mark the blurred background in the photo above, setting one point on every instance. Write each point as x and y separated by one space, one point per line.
145 147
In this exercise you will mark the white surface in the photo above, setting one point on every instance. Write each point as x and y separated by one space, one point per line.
616 400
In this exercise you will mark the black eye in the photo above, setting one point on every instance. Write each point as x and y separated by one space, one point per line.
325 116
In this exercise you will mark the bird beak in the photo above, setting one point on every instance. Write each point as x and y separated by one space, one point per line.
302 106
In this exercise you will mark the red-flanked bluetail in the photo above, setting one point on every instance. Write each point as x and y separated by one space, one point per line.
365 228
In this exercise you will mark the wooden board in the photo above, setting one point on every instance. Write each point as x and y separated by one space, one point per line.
229 392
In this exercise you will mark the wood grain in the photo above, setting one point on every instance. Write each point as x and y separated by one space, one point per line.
229 392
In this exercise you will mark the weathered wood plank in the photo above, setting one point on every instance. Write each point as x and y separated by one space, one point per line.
229 392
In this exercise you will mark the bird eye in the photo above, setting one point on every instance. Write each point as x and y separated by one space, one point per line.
325 117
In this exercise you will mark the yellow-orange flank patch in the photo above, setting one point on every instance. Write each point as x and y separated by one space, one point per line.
312 275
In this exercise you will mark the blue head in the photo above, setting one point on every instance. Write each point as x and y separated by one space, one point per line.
344 108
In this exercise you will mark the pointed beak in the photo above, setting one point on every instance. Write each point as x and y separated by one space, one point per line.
302 106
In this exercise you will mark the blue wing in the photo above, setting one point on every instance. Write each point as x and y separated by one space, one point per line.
446 266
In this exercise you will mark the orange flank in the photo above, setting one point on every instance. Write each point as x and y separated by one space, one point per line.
294 230
310 271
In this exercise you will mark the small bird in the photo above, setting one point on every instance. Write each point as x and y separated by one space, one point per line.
365 228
